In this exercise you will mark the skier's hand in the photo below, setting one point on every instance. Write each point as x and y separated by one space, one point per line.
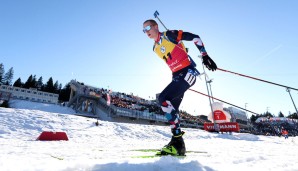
209 63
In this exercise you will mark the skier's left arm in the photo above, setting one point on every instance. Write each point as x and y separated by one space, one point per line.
207 61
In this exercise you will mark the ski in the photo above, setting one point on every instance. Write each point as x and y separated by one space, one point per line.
157 153
59 158
156 156
158 150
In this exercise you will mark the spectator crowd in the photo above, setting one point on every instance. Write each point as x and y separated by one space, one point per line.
275 127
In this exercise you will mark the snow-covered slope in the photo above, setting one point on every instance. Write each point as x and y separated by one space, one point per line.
113 146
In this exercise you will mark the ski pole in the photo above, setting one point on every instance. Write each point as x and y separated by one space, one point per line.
288 90
156 14
205 75
224 101
257 79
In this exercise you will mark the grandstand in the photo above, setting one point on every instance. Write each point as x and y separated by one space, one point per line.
273 126
92 102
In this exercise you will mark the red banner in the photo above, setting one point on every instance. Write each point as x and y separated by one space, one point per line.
52 136
223 127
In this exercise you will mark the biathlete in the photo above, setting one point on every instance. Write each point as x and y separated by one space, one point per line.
169 47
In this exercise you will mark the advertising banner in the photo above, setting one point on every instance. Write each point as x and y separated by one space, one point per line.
223 127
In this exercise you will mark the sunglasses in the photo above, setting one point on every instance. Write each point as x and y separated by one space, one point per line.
147 28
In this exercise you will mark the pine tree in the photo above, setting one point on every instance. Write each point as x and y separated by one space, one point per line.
49 87
39 84
18 83
293 116
268 115
1 73
65 93
28 82
56 87
7 79
33 83
60 87
253 118
281 115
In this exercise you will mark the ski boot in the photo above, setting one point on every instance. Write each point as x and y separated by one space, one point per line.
176 147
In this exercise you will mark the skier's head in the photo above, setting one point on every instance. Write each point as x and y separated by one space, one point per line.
150 27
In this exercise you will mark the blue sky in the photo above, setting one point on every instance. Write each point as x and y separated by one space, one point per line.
101 43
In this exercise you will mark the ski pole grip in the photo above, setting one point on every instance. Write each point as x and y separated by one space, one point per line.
156 14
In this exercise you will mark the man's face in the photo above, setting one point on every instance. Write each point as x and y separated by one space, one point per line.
153 31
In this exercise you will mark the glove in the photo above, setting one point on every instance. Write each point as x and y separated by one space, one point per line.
209 63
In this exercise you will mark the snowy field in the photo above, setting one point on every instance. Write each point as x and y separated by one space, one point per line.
115 146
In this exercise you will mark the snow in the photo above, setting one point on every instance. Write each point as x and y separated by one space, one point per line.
113 146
